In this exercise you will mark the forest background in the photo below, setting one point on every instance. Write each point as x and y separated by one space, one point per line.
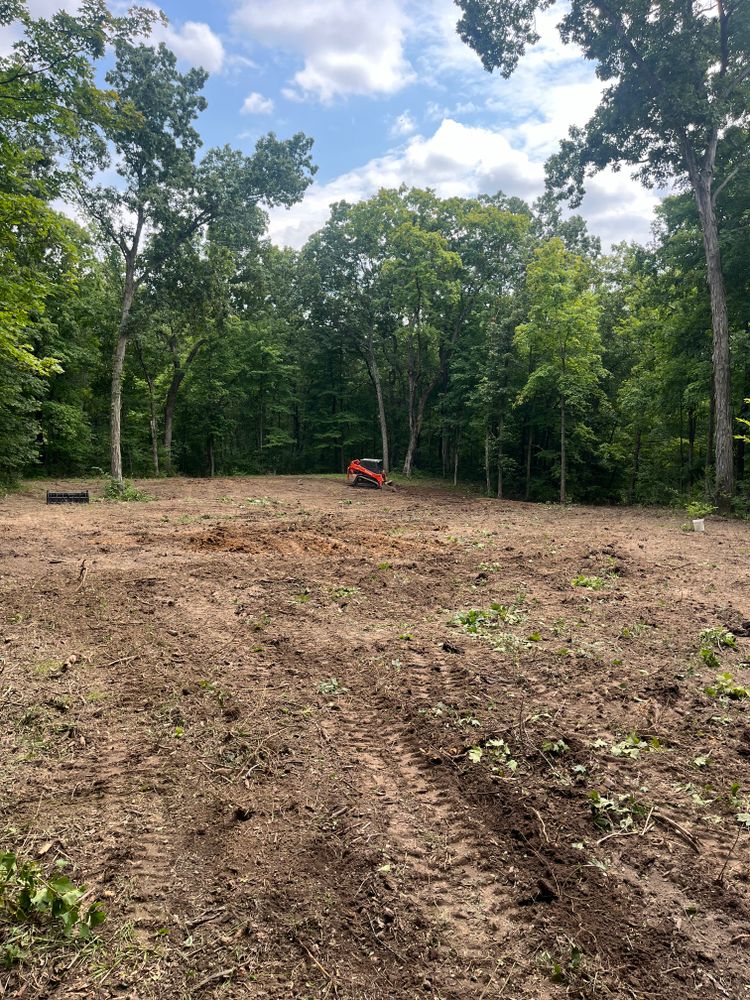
482 338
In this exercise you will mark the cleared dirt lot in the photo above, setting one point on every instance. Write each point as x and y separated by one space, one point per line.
258 731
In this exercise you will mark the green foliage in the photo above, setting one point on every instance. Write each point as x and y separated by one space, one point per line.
563 970
481 338
127 493
725 686
38 911
588 582
496 753
698 509
476 621
616 811
633 746
718 637
332 686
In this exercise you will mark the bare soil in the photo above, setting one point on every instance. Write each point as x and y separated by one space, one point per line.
253 728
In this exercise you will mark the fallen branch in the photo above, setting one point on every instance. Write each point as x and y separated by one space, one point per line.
316 963
686 835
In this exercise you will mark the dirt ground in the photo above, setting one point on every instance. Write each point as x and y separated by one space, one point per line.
267 731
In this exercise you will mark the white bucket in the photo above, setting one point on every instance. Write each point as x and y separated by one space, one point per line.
699 524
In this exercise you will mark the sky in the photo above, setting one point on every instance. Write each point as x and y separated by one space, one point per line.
391 95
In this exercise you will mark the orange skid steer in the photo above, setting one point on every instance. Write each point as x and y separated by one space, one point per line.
367 472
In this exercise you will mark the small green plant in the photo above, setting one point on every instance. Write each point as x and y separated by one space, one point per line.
485 567
302 598
38 910
497 753
340 593
696 510
384 565
561 970
710 658
633 746
332 686
610 811
725 687
258 501
718 637
475 621
589 582
127 494
555 747
260 624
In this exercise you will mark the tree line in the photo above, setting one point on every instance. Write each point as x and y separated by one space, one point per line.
481 338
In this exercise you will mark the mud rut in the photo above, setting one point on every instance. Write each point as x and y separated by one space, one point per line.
253 833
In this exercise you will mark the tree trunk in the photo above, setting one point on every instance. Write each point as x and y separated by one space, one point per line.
722 383
500 460
692 427
179 371
211 457
169 406
372 367
118 368
152 423
563 457
487 462
636 465
455 465
415 425
529 442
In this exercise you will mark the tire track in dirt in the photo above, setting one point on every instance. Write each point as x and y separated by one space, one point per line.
451 876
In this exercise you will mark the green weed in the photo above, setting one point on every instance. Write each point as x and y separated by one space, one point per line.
610 811
38 911
496 753
718 637
127 494
633 746
725 687
332 686
589 582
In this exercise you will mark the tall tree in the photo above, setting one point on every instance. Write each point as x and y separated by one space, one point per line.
50 110
166 198
678 75
562 335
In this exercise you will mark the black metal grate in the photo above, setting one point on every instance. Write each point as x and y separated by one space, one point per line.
81 497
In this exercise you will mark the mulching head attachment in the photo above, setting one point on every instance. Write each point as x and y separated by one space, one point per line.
58 497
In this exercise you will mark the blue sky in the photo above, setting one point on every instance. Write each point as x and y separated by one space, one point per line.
390 95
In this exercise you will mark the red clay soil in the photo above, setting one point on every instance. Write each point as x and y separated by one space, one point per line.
257 729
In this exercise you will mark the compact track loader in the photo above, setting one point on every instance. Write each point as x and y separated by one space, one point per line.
367 472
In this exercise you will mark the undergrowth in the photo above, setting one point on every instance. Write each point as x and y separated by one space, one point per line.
128 493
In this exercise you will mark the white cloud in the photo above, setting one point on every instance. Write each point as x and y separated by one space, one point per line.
617 207
458 160
46 8
403 125
194 43
257 104
347 46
